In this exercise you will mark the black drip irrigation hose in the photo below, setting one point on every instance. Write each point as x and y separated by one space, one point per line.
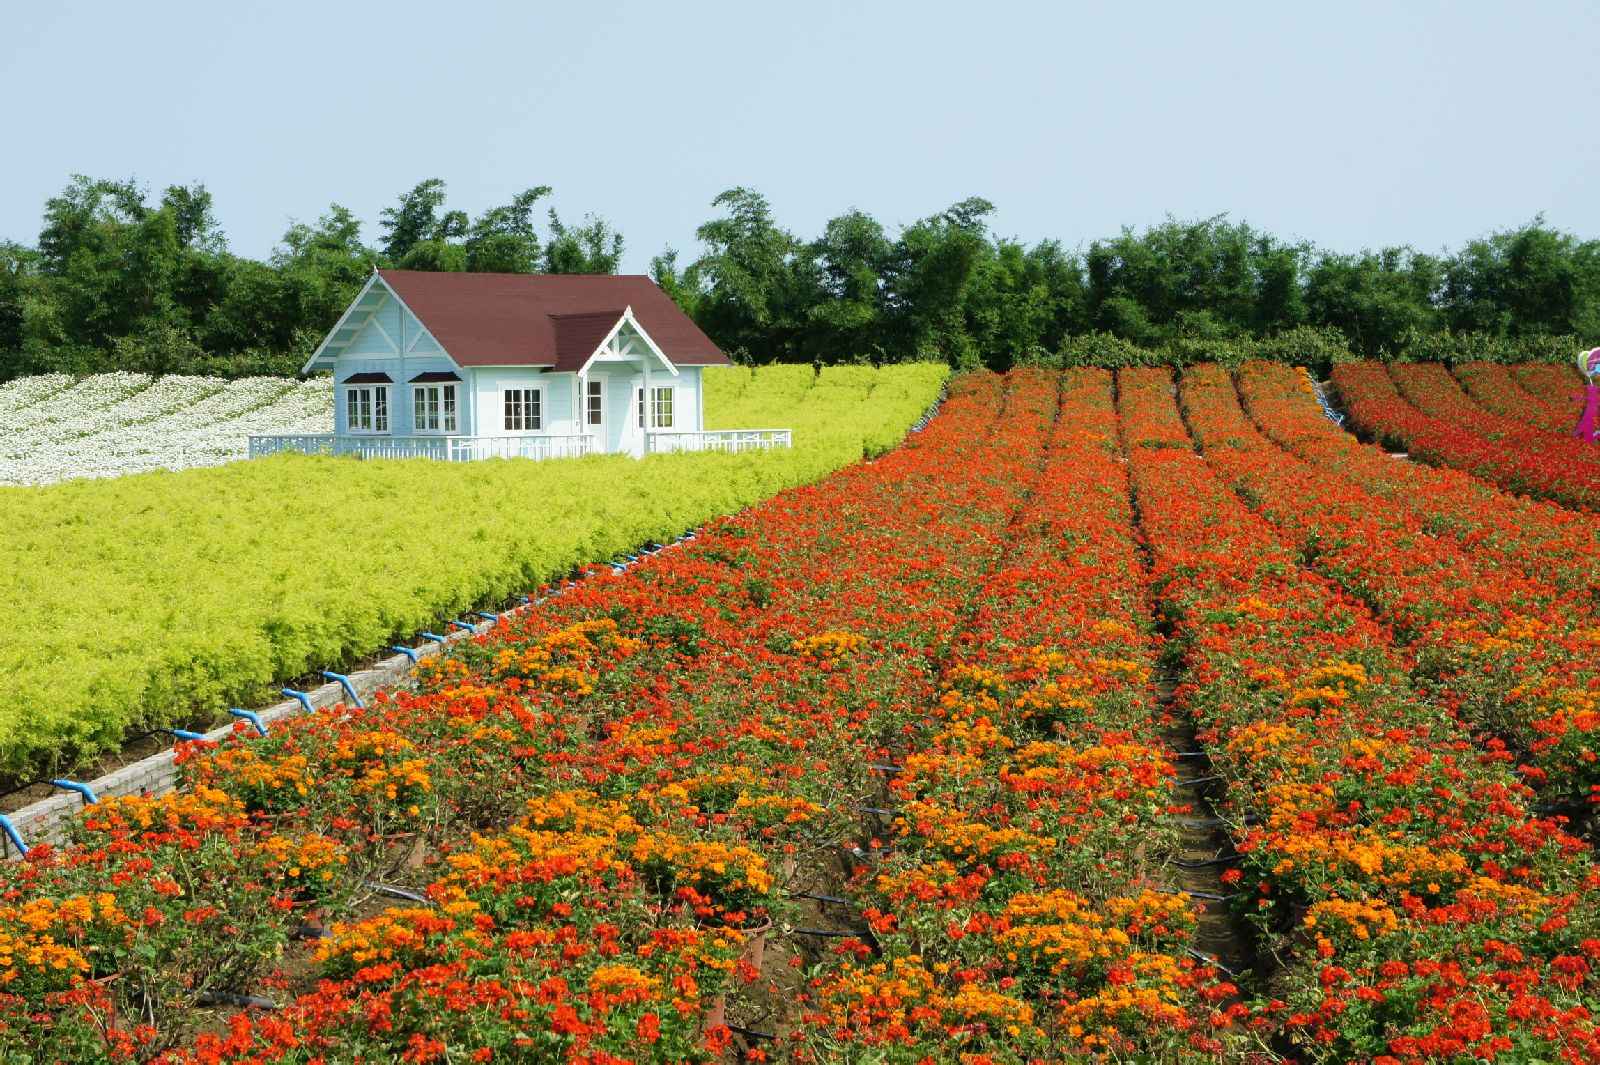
400 893
230 998
1206 863
748 1033
834 899
1575 805
1208 896
1200 955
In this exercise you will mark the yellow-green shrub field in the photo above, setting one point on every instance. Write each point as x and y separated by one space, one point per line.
161 598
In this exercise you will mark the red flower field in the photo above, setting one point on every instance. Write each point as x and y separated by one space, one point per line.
1514 442
1112 718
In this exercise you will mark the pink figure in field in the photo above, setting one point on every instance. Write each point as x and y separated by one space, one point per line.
1588 428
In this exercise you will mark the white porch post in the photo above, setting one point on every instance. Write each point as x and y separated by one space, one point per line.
580 402
649 407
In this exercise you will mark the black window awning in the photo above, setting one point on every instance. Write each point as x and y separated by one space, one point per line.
434 376
367 379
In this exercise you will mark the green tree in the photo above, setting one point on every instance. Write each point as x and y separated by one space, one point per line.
1375 298
748 269
845 320
591 248
1526 281
927 280
683 285
503 240
413 220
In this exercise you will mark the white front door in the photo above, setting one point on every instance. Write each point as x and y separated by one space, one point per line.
632 442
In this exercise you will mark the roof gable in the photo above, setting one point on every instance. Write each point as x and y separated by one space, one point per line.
377 324
543 319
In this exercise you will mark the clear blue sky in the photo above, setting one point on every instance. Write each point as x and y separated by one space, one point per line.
1350 124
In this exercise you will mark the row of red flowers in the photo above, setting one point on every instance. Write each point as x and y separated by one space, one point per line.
1539 464
1496 388
1419 908
1516 652
1023 909
1435 391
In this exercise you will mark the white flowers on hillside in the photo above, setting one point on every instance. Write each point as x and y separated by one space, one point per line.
55 427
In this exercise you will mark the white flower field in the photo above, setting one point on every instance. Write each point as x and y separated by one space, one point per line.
56 427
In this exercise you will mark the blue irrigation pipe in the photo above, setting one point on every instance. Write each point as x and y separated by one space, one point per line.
252 717
13 835
407 651
183 734
349 689
487 615
464 626
305 700
527 600
434 636
89 797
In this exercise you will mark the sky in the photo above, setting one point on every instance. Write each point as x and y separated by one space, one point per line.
1349 124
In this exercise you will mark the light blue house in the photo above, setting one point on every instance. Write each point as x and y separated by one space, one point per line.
465 366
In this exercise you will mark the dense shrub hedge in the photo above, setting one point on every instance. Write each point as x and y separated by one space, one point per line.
160 598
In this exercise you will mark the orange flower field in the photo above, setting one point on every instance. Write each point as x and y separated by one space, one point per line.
1111 717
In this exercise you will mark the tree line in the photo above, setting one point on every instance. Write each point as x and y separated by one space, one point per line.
121 280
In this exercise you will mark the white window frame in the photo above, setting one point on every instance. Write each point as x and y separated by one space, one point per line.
594 413
376 401
536 391
438 391
656 395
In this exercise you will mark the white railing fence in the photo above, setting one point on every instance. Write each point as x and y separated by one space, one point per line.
721 440
449 448
464 448
520 447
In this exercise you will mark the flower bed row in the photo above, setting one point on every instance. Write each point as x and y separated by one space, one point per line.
1432 389
115 424
1494 387
1420 911
1534 537
1556 382
1022 910
1444 606
1549 468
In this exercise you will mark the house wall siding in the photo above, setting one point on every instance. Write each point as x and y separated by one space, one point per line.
686 401
490 382
377 348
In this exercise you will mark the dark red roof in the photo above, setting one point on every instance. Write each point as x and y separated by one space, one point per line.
544 319
577 336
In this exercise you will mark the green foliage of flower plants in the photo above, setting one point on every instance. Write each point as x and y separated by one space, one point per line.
160 599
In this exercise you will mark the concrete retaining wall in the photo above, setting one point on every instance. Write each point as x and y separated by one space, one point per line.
46 820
